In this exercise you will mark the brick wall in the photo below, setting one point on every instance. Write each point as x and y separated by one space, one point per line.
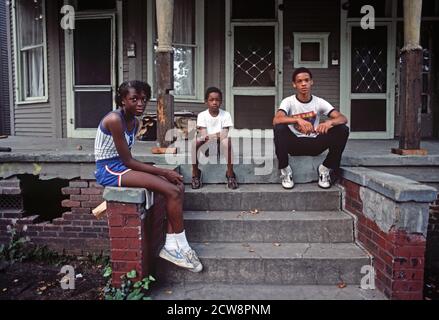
432 254
77 231
399 258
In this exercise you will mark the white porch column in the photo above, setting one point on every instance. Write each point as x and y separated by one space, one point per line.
165 19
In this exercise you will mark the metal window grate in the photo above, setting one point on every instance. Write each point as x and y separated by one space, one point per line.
369 73
254 64
11 202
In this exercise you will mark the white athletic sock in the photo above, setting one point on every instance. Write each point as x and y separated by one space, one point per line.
171 242
182 241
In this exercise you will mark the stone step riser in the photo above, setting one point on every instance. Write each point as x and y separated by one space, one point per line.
303 271
246 201
314 231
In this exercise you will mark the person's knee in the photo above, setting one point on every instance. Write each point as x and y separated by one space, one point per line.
175 193
341 130
225 143
181 188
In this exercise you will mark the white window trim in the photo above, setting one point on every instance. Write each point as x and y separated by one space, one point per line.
199 53
18 65
311 37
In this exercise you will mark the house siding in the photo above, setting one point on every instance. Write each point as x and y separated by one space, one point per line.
302 16
5 124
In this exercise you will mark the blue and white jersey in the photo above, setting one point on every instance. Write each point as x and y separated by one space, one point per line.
104 144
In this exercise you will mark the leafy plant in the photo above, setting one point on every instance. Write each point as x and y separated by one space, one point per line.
14 251
128 290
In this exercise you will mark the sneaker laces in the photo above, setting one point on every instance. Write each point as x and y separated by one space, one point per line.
325 175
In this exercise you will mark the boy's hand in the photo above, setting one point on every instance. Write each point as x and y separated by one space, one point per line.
324 127
173 177
304 126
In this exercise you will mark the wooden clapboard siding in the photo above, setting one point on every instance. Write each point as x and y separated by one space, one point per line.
5 123
314 16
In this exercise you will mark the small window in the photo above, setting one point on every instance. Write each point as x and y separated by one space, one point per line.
30 38
311 50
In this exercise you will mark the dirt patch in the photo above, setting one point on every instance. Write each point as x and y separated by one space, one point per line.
38 281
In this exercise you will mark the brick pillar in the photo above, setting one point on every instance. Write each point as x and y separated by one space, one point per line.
392 228
128 212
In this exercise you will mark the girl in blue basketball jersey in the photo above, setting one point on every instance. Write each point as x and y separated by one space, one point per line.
116 167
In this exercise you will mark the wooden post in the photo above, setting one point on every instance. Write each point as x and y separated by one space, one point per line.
411 82
165 74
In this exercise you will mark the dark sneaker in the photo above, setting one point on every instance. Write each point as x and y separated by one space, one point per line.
231 182
197 181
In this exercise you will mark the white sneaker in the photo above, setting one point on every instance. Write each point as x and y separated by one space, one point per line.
287 178
176 257
192 257
324 177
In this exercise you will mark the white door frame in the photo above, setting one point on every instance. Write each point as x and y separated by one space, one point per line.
277 90
116 32
345 79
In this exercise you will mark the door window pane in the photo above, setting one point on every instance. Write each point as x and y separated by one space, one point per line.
382 8
254 57
91 107
245 9
368 115
93 52
96 5
254 112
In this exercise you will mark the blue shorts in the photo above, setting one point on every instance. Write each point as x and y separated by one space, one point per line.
109 172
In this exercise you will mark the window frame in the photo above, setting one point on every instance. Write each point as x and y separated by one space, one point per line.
199 52
322 38
20 98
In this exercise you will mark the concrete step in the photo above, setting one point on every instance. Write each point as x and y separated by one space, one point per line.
269 226
304 197
422 174
233 292
266 263
253 170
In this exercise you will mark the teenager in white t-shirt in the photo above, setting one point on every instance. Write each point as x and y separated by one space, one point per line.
298 131
214 124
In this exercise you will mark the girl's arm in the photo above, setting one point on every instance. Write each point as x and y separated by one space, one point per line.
114 125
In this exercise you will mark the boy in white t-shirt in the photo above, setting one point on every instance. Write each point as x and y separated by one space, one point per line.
214 124
298 131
